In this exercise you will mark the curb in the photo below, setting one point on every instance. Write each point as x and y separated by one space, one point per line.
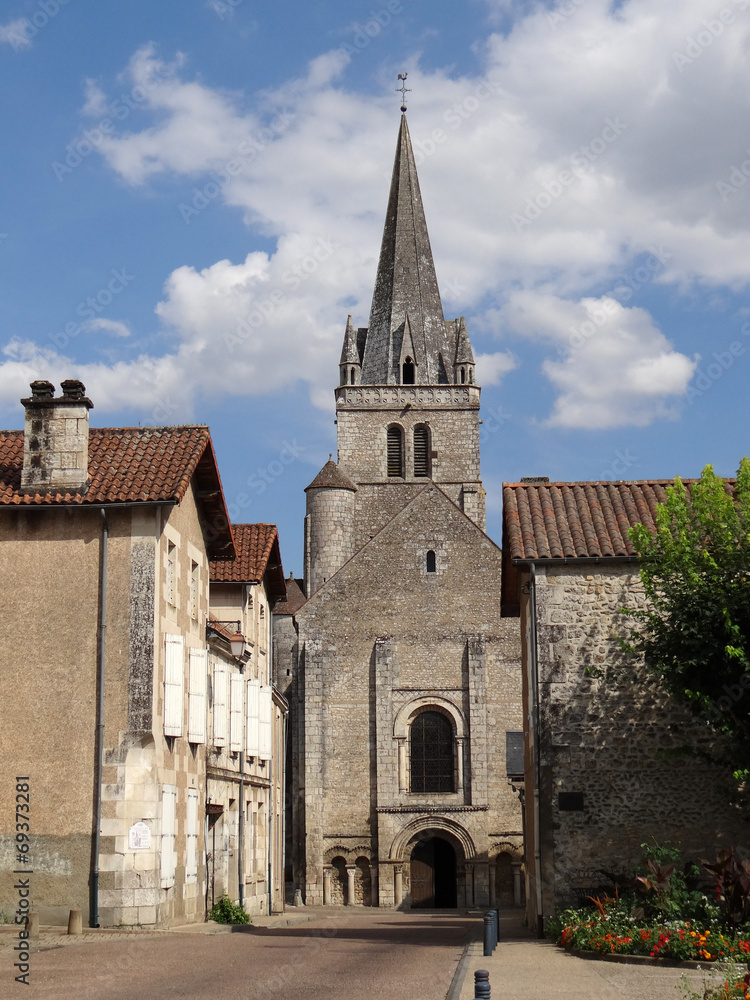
659 963
457 983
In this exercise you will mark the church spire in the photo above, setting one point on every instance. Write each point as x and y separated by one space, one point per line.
406 284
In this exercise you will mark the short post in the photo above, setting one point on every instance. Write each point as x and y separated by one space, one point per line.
32 925
75 922
298 893
497 924
489 932
482 985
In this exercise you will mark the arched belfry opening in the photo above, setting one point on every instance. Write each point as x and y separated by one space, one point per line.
407 372
433 871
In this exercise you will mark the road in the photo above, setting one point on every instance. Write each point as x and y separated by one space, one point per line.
374 954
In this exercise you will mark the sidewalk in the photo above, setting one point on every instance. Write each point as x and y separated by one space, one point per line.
525 968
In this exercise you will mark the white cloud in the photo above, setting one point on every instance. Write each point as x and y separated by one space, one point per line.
614 367
113 326
96 103
490 368
13 34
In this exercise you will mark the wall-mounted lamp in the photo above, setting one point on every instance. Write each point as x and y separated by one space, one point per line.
236 640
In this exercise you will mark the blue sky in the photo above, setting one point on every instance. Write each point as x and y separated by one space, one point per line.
193 199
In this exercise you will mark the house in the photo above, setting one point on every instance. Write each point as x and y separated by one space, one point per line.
245 771
404 678
601 778
107 537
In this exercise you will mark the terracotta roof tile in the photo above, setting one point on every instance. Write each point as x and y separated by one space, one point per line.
254 544
126 465
295 598
578 520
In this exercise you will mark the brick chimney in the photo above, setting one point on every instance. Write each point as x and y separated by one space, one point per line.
56 439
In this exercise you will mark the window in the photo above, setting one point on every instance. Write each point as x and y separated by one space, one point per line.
407 372
194 590
252 732
171 557
395 451
174 683
191 844
421 451
236 712
430 561
197 691
168 857
351 377
431 745
463 375
220 704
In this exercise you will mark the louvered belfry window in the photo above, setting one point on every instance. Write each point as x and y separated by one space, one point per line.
431 757
395 451
421 451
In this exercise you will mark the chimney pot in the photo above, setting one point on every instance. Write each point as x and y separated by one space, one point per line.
72 388
42 389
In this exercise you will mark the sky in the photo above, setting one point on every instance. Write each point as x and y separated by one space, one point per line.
193 197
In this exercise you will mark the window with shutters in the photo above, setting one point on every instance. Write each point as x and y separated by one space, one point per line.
407 372
168 857
191 838
431 753
194 592
197 692
266 722
221 704
252 730
421 451
174 684
171 569
395 451
236 712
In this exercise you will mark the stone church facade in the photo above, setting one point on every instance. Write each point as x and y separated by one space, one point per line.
402 676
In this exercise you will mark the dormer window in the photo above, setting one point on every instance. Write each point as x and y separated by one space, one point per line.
407 372
395 451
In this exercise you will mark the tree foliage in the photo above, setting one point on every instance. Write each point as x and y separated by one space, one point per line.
694 631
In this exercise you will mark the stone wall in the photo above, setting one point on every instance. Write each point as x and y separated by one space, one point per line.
606 730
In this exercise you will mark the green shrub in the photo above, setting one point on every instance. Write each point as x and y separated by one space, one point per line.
224 911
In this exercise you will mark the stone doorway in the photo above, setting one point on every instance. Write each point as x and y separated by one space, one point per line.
433 874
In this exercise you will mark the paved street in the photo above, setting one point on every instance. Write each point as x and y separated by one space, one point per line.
372 954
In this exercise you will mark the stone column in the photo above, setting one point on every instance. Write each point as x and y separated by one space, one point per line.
460 764
374 884
469 874
403 781
327 885
398 885
460 887
516 866
493 883
351 871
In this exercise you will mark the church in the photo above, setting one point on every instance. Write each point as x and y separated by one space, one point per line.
404 680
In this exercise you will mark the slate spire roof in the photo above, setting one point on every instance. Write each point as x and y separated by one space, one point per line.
406 284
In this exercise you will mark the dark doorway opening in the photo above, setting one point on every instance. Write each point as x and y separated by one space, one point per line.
433 874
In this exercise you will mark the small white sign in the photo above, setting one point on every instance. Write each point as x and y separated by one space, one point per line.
139 837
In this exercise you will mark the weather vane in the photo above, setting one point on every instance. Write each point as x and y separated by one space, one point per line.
403 89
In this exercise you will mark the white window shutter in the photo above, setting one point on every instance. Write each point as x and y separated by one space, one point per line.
191 845
174 684
220 705
252 745
266 721
198 659
236 711
168 857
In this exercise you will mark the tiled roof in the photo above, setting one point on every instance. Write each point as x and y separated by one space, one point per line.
331 477
295 598
133 465
258 554
578 520
126 465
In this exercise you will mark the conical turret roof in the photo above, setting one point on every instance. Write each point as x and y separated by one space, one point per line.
349 352
331 477
464 353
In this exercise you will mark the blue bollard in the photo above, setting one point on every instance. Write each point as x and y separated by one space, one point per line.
495 929
489 932
482 985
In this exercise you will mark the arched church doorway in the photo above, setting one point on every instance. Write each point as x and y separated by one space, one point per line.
433 874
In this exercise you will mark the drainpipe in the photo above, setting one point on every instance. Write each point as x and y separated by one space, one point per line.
94 918
534 691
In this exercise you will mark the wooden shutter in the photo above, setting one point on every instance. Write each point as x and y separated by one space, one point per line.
421 451
220 705
191 844
236 710
253 718
198 660
168 858
395 451
174 683
266 722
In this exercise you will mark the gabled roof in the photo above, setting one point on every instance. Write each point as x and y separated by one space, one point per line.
258 558
133 465
295 598
586 520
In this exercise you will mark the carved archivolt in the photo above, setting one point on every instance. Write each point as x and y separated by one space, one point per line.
406 714
440 826
506 847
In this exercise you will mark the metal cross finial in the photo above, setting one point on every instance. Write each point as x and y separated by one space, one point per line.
403 89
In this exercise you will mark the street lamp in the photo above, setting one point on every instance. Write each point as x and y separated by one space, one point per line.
236 641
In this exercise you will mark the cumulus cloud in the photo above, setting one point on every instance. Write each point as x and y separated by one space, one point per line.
607 130
614 366
13 34
490 368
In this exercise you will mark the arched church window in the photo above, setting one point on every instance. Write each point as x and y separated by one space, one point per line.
430 561
351 377
407 372
395 451
421 451
463 375
431 753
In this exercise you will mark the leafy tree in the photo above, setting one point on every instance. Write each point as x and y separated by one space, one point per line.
694 631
